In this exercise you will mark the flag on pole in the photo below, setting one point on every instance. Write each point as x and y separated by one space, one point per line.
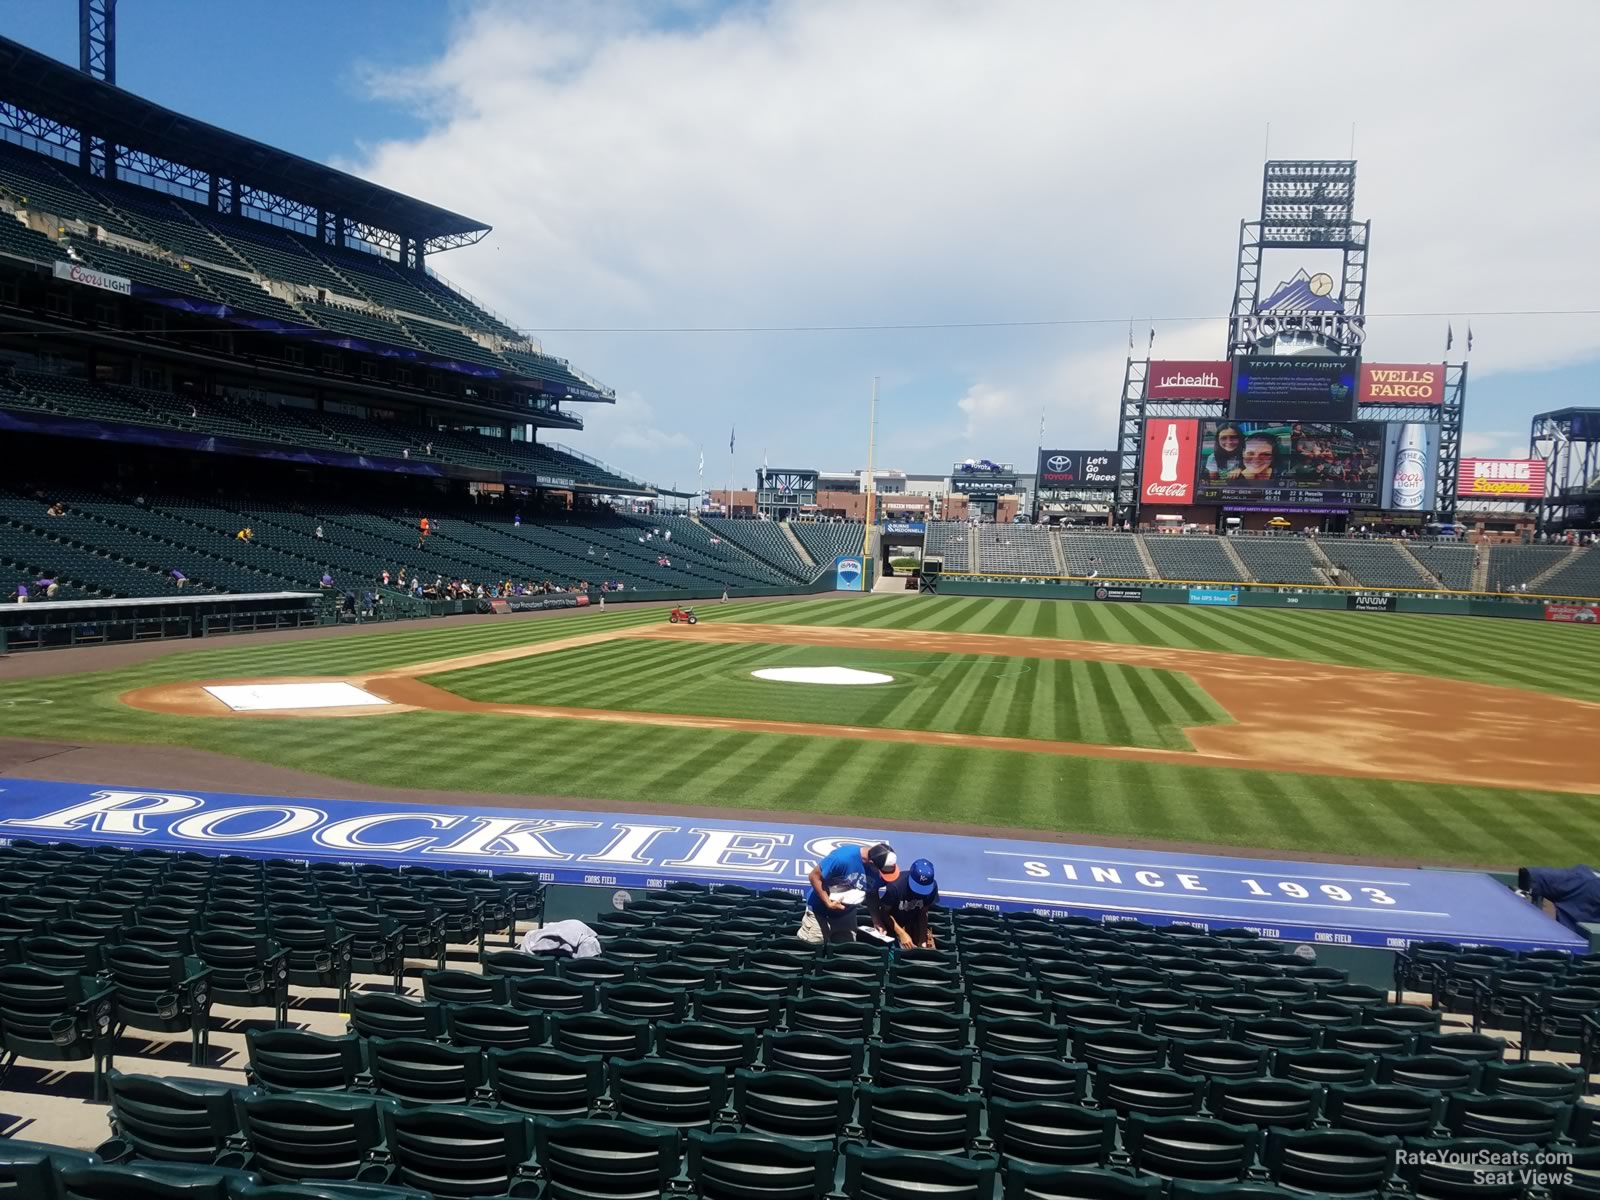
1469 337
1152 337
1130 333
730 439
702 460
1449 337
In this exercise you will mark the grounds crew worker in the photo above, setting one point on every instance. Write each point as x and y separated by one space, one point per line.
842 880
904 905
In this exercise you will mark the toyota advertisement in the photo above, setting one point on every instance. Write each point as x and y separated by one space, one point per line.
1501 478
1189 380
1167 475
1309 463
1066 469
1299 388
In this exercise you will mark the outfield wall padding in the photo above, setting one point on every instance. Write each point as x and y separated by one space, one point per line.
1250 596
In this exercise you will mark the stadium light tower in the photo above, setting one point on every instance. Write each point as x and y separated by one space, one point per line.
97 39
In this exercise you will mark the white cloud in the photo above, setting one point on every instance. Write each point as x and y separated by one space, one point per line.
827 162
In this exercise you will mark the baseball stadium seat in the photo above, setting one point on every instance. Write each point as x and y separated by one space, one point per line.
293 1060
546 1083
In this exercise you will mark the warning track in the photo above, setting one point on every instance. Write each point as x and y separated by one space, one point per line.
1307 718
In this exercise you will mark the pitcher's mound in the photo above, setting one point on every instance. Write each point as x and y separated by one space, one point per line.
847 676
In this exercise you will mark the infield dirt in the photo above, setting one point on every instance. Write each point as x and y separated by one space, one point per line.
1308 718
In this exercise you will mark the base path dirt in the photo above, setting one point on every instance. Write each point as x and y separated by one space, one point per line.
1310 718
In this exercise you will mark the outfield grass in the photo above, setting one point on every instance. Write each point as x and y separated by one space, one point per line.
1055 699
882 781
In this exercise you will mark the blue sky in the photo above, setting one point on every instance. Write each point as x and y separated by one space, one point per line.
823 162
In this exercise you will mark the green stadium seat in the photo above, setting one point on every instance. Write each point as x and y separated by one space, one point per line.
662 1091
596 1033
705 1044
294 1060
417 1071
1189 1147
1027 1181
458 1152
161 993
1454 1169
1474 1047
546 1083
246 972
1333 1161
1154 1091
50 1016
1384 1110
169 1120
465 987
1434 1072
742 1166
1020 1035
553 994
379 1014
151 1181
1325 1067
1519 1119
921 1024
322 1138
1118 1048
925 1119
1537 1080
818 1054
30 1169
501 1025
1050 1132
1027 1079
738 1008
1283 1103
917 1065
789 1104
605 1160
1219 1057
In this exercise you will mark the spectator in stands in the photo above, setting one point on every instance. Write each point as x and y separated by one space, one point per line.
327 579
57 509
1570 894
422 532
22 593
246 535
179 578
516 520
319 533
47 584
384 576
904 905
842 880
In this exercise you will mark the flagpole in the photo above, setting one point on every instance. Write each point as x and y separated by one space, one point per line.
701 497
872 443
729 494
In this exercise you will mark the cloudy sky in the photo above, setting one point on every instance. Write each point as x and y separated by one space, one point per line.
654 168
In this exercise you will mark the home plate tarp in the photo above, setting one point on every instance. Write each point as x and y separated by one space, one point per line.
1320 903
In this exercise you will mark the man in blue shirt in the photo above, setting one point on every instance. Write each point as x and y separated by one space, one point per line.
904 905
1572 892
842 880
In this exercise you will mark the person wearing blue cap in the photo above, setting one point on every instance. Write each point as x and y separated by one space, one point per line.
904 904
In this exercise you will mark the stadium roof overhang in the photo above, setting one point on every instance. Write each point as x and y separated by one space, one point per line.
52 89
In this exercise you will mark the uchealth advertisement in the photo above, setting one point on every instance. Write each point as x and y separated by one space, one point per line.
1189 380
1169 460
1573 614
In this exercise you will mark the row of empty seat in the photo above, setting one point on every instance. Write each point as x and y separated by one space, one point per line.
709 1052
172 245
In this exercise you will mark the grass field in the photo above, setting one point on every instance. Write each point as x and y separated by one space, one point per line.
1056 700
629 763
